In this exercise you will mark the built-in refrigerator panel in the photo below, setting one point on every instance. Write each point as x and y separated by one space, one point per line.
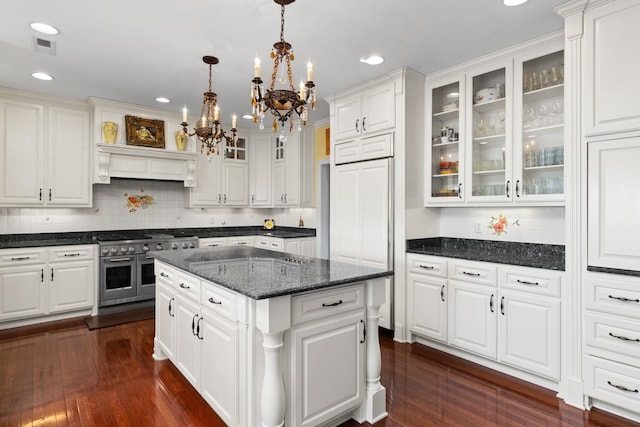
362 219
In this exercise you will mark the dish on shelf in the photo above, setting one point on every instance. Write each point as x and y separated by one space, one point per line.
446 193
450 106
484 95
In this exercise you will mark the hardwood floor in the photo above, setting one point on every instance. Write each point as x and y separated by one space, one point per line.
62 374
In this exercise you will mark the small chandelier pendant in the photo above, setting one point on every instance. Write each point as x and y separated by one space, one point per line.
285 102
208 129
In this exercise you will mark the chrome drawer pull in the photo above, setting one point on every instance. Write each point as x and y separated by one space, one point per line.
212 301
471 274
332 304
183 286
620 337
75 254
524 282
624 299
163 274
621 387
426 267
20 258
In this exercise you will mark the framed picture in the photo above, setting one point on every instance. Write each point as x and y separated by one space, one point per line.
144 132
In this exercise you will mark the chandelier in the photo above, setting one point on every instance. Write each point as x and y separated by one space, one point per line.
282 102
208 129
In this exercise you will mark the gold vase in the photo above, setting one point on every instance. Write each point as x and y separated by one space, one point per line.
109 132
181 140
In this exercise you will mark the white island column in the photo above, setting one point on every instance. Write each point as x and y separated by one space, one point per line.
273 318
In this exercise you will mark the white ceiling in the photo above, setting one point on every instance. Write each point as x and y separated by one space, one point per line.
136 50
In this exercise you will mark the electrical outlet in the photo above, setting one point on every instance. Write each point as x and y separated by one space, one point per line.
478 227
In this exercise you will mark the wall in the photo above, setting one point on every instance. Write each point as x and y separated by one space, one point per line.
111 211
524 224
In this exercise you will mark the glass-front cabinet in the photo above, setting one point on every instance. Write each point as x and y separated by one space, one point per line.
445 159
489 91
495 131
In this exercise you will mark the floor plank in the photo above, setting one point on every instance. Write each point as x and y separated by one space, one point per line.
62 374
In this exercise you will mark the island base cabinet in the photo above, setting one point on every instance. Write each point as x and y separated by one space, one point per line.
165 320
187 339
328 373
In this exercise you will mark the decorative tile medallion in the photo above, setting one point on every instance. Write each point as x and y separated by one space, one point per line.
500 224
137 201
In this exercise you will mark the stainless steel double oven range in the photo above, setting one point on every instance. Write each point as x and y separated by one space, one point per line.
126 270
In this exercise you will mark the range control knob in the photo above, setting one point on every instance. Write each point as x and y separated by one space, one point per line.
123 250
192 245
131 249
159 247
174 246
185 245
105 251
113 251
146 248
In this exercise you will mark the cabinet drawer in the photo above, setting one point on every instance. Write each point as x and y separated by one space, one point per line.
536 281
321 304
212 242
270 243
188 286
219 300
474 272
613 295
241 241
612 382
71 253
614 334
432 266
165 274
22 256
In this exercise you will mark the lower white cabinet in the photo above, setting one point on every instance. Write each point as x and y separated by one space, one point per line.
165 311
41 281
504 313
305 246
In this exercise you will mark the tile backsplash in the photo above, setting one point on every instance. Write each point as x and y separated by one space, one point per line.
112 211
525 224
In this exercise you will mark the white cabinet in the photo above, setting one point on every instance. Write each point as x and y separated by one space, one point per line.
505 313
614 195
222 180
261 169
44 153
241 241
188 324
165 313
72 278
327 341
496 133
271 243
293 170
212 242
42 281
610 67
427 294
373 110
305 246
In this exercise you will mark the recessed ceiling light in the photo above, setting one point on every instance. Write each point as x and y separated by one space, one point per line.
453 95
162 99
373 60
42 76
247 116
44 28
514 2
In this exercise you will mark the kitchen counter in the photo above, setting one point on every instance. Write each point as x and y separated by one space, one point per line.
27 240
260 273
550 257
281 337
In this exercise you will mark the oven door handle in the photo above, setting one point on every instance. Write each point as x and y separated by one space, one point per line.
119 259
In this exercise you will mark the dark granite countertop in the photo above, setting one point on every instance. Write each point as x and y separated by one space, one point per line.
550 257
260 273
27 240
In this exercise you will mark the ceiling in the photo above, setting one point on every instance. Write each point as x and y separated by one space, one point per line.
136 50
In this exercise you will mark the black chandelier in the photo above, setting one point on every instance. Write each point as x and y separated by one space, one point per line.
208 129
282 103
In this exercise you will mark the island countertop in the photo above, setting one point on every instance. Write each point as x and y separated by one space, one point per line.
260 273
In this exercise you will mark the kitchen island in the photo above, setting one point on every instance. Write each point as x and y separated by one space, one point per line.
270 338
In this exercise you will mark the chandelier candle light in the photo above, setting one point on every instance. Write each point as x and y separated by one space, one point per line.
282 102
208 129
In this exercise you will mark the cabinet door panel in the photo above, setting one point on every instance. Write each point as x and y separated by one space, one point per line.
22 292
236 182
165 315
187 343
378 109
429 306
348 122
71 286
261 179
529 333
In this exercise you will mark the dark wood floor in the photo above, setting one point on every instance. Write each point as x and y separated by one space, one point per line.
63 374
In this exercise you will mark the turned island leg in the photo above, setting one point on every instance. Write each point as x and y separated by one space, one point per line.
273 318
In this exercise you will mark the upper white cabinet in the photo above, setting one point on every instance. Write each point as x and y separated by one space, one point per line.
614 197
44 151
371 111
496 129
261 169
222 179
293 170
610 67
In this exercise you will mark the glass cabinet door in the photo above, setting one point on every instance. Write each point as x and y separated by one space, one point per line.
539 157
489 121
236 150
444 157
